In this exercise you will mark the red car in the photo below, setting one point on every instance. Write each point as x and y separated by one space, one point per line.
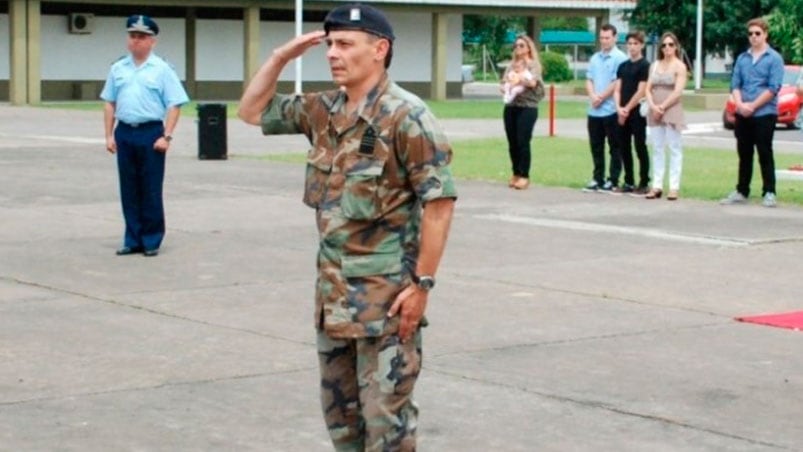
789 102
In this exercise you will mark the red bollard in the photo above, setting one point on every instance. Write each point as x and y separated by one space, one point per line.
552 110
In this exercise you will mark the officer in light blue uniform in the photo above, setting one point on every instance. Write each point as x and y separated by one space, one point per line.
143 97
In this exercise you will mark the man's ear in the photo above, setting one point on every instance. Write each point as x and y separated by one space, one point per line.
382 46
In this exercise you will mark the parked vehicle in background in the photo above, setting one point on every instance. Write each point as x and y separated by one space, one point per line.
789 102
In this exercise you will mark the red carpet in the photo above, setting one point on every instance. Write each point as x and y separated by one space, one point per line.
792 320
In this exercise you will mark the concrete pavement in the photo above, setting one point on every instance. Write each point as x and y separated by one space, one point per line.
561 321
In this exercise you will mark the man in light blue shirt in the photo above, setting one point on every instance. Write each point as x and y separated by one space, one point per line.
143 96
757 78
602 112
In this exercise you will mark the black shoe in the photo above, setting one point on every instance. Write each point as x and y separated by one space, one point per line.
151 253
126 250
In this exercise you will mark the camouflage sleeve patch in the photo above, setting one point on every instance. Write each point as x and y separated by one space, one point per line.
426 154
287 114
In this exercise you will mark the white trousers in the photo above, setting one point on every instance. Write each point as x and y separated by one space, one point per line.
663 136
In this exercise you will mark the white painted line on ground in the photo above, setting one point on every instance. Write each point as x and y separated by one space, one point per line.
703 127
81 140
788 175
605 228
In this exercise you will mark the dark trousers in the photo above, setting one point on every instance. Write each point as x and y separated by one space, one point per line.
755 132
141 170
634 132
600 128
519 124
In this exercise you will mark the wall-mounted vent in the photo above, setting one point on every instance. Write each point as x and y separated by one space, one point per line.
81 23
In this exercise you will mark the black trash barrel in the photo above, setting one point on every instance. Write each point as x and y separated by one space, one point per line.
212 132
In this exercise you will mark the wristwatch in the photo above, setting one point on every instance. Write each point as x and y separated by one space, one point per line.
424 282
168 137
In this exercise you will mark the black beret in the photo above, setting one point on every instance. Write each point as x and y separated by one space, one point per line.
359 17
142 24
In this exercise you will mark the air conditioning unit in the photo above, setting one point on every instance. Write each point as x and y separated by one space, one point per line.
81 23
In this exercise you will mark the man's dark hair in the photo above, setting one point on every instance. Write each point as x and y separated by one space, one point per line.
608 27
638 35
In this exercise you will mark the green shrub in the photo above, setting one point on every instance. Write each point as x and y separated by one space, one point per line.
555 67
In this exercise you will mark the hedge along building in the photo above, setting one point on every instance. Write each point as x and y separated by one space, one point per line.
62 50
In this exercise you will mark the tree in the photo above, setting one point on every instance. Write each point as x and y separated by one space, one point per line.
492 32
495 32
786 30
724 21
564 23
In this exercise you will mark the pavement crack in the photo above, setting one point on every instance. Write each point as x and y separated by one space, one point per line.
576 340
604 296
597 405
121 304
168 384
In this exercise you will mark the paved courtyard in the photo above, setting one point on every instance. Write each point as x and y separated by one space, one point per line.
562 321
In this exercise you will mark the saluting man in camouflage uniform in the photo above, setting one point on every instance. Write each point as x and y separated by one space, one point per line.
378 178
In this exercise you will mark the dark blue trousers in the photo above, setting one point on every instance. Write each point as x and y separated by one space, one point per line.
141 169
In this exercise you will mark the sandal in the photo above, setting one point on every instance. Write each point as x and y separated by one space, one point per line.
672 195
655 193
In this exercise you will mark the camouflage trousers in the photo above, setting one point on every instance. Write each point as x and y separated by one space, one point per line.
366 392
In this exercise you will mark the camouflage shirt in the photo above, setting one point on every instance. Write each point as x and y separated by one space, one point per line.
367 177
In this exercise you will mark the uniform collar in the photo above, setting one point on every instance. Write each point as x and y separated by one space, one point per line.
366 110
148 61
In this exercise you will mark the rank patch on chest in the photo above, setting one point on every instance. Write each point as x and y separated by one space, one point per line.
368 142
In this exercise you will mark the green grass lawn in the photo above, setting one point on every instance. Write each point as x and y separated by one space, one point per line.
447 109
188 110
492 109
443 109
708 174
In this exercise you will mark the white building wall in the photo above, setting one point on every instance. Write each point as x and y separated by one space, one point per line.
5 70
67 56
220 44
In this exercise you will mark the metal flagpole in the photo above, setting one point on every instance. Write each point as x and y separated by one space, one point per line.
299 22
698 49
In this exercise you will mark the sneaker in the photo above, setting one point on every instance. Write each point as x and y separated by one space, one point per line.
735 198
608 186
769 200
591 187
626 188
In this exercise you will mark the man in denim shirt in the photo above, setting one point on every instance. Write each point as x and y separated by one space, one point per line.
757 78
600 83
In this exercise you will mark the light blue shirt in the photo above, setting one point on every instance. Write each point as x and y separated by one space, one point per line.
602 72
143 93
752 79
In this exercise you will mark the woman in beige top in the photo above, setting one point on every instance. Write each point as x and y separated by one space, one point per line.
668 76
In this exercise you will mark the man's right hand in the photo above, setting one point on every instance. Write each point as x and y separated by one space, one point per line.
262 86
111 145
296 47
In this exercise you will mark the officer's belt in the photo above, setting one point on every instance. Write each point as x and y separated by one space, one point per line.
141 124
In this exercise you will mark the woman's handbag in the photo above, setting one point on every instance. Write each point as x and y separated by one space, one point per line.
643 108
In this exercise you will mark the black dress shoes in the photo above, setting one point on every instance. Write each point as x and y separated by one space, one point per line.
126 250
151 253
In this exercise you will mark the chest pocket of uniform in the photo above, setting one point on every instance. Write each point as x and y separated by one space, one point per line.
319 167
152 85
361 197
120 81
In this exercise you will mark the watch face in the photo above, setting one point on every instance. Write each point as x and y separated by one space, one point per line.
426 282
